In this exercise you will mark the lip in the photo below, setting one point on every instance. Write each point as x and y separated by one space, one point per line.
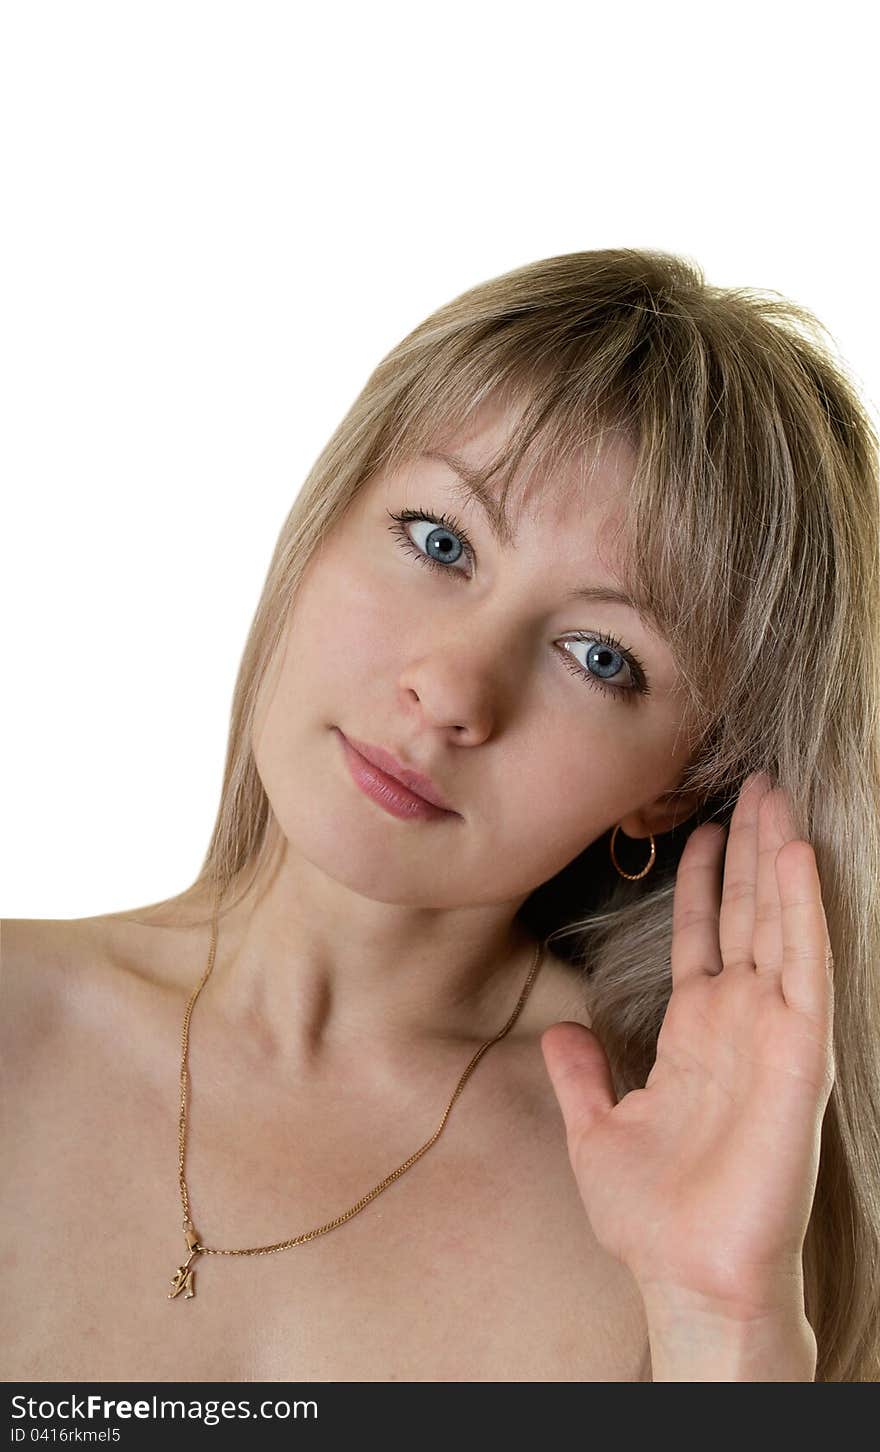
403 792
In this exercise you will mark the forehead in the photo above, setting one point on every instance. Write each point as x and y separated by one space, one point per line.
587 488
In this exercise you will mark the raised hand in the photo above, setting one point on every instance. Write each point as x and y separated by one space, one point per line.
702 1182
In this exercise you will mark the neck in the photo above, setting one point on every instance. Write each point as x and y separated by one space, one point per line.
309 971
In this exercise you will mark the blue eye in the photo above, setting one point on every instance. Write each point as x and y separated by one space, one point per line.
602 647
447 543
441 544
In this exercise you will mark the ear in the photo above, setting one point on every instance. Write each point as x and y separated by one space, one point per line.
670 810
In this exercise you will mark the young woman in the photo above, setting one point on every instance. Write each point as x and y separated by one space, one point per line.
496 1038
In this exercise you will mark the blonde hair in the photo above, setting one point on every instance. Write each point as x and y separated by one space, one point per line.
753 533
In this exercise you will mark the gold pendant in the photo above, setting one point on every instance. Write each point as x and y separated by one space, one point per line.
183 1280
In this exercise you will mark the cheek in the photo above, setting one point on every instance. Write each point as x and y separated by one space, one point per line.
345 629
575 778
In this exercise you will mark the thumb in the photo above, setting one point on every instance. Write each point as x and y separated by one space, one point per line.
580 1074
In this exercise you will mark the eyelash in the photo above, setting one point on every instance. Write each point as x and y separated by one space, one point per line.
597 637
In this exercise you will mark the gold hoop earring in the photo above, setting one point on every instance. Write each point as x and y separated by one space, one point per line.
632 876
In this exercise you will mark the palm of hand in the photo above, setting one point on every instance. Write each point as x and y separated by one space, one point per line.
703 1181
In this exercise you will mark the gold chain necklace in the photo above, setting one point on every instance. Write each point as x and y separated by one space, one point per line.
183 1280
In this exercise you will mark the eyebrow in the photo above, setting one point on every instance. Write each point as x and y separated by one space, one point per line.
471 480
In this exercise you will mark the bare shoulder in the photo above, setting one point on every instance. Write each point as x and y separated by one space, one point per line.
537 1155
59 973
42 967
561 992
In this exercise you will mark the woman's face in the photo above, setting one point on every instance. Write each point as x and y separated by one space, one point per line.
468 670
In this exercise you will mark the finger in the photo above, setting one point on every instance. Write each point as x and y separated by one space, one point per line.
581 1076
774 830
736 925
807 972
695 906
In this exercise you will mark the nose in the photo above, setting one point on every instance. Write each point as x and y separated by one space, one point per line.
454 686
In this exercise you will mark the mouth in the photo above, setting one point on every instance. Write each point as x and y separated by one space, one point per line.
375 772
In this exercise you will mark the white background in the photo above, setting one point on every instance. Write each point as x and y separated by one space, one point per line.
217 217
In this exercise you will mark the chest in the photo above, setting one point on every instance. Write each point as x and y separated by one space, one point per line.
476 1264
